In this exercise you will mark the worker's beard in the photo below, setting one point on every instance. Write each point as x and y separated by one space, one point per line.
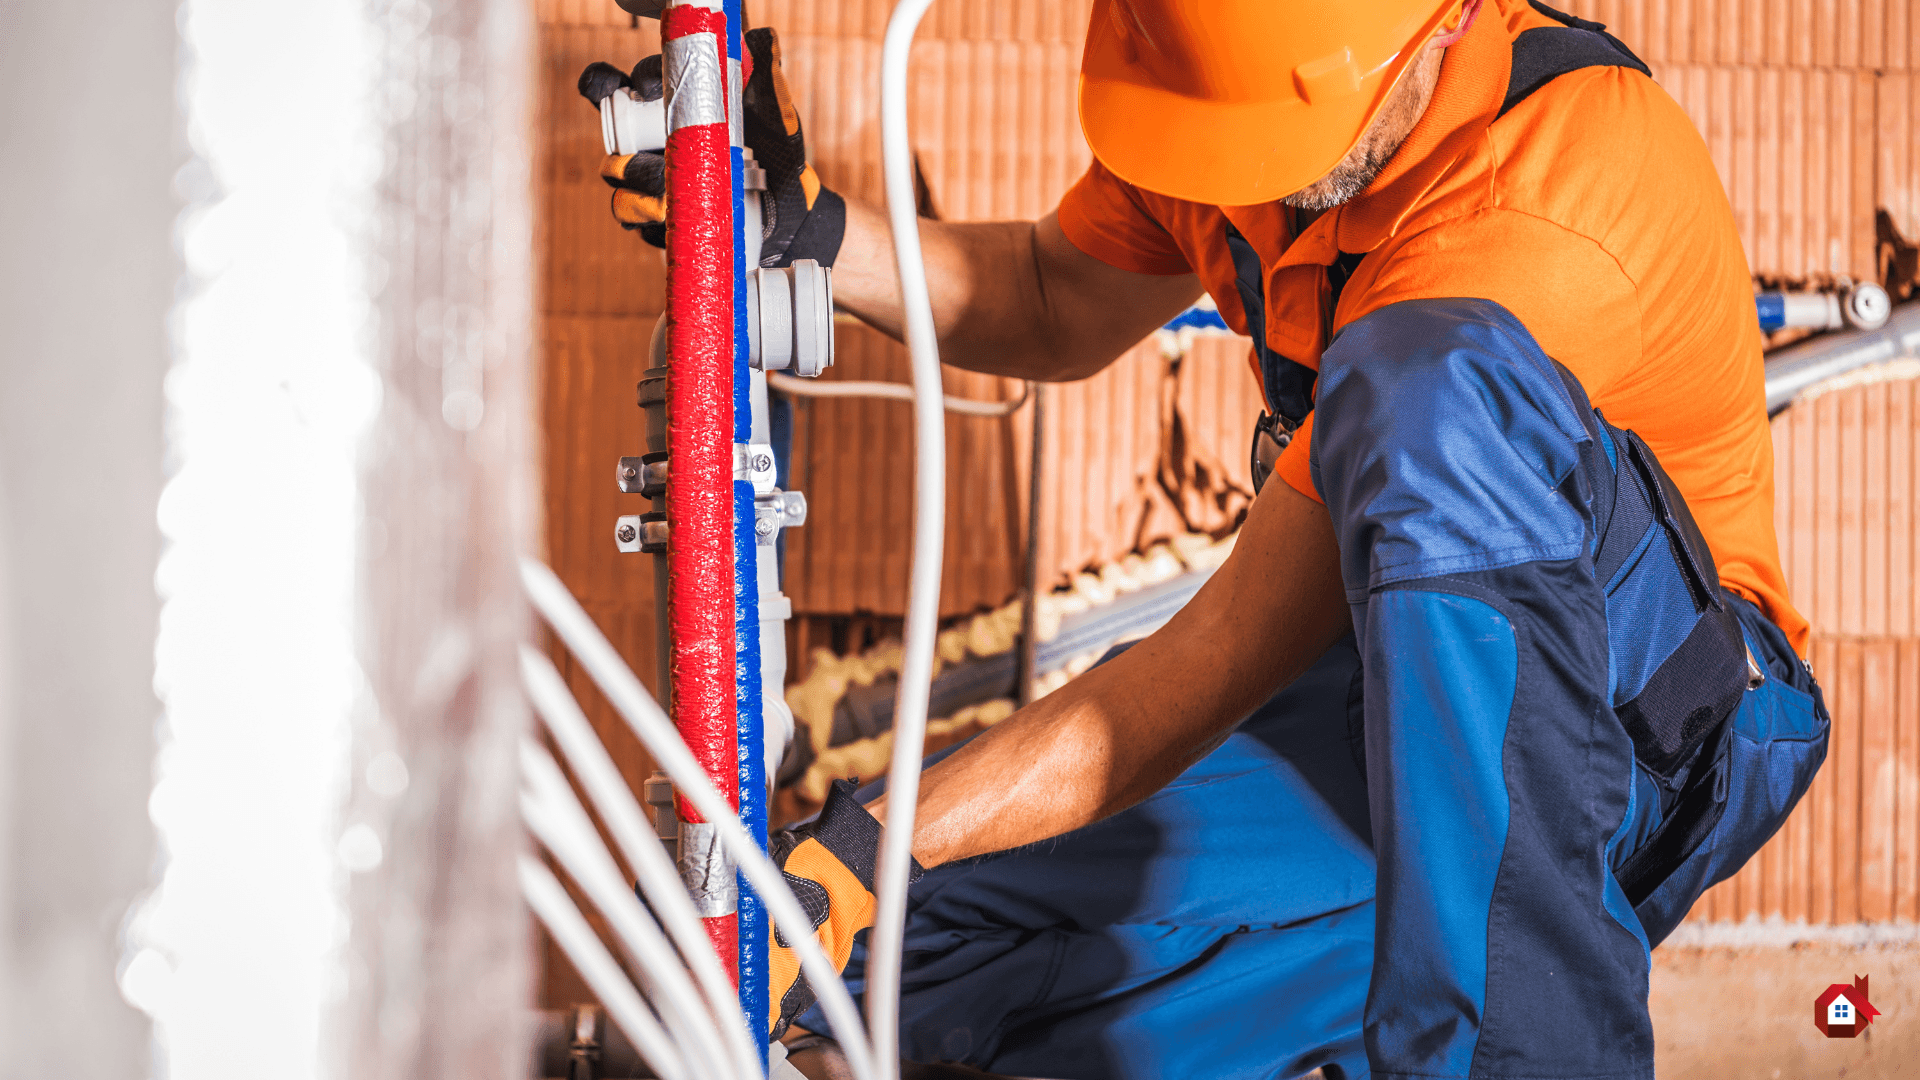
1349 178
1377 145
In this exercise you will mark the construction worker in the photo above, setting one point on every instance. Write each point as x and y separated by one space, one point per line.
1501 674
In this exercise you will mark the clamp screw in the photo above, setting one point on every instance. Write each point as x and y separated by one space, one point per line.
629 473
763 527
626 534
762 462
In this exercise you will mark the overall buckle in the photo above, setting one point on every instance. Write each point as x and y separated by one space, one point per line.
1271 434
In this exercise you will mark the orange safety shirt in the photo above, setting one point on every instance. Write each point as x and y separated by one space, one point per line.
1591 211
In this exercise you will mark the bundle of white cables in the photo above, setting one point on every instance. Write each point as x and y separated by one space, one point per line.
685 1017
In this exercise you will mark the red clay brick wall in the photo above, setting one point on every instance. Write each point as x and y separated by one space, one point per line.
1810 110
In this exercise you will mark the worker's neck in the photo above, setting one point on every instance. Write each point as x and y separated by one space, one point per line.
1303 219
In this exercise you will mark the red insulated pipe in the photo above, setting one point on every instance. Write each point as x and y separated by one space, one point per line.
700 600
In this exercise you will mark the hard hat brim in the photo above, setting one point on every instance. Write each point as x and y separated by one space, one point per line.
1226 153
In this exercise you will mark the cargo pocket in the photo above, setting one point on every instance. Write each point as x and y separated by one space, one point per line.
1693 679
1775 744
1679 665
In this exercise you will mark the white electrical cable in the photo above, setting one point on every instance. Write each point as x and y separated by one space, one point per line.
853 388
597 966
558 820
689 1028
699 1044
626 821
631 700
877 1057
929 534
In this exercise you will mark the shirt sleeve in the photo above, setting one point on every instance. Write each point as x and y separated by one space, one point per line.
1107 218
1295 467
1570 294
1567 290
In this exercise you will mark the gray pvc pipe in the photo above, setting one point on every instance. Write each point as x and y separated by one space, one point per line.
1798 368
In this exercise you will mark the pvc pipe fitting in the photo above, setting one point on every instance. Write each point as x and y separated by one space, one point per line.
1864 307
790 318
629 125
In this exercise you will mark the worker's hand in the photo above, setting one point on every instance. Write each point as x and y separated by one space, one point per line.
639 181
829 865
799 218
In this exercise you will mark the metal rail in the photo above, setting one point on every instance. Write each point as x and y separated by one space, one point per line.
1794 370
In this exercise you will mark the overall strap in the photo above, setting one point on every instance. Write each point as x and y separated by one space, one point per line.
1539 56
1288 383
1546 52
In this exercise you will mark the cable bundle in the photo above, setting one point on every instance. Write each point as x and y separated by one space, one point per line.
684 1017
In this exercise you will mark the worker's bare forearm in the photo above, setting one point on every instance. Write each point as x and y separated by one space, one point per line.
1118 733
1010 298
867 283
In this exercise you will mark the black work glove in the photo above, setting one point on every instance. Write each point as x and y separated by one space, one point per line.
829 864
800 219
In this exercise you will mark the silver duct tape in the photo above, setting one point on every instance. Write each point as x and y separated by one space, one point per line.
707 871
736 125
692 72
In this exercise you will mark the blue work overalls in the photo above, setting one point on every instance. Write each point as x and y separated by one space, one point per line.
1448 848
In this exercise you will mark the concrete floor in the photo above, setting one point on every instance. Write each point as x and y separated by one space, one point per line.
1737 1012
1734 1011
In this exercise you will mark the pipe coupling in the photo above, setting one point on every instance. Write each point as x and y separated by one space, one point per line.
790 318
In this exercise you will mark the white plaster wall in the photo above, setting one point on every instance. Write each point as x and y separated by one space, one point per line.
89 144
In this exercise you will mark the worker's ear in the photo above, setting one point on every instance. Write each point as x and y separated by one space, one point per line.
1456 25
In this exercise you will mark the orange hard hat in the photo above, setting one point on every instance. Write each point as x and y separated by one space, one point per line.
1236 102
